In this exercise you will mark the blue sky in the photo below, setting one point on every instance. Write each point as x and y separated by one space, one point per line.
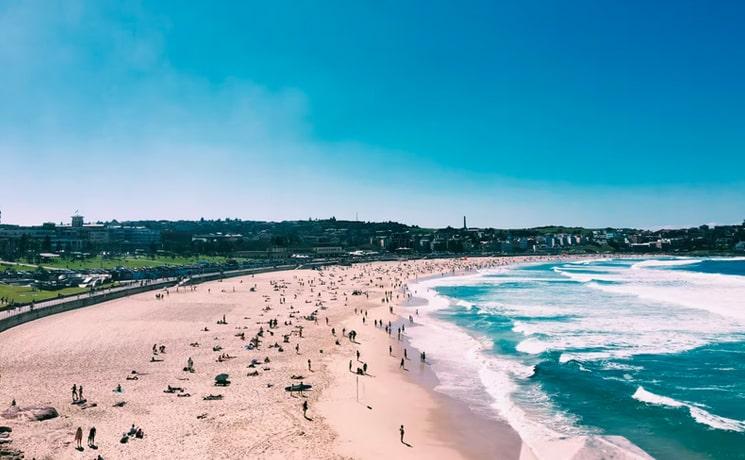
513 113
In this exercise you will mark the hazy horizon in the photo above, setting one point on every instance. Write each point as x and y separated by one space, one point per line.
516 115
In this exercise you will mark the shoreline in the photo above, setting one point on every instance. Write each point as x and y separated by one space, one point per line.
476 435
438 425
453 429
100 346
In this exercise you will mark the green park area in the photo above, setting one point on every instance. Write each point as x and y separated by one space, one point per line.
26 294
114 262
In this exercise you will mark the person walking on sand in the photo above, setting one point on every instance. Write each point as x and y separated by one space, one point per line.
390 350
92 437
402 364
74 392
402 431
309 368
79 438
305 409
80 391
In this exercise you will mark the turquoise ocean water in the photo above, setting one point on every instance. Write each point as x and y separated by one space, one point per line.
649 349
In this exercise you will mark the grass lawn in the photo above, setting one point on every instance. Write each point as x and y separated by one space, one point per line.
128 262
17 268
25 294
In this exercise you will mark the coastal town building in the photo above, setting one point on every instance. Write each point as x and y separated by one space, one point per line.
78 236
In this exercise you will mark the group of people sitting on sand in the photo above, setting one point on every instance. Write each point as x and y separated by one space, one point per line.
134 432
157 349
179 391
224 357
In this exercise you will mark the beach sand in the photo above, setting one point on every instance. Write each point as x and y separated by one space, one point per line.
349 416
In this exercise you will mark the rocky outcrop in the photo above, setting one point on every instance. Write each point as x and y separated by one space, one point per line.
33 413
8 453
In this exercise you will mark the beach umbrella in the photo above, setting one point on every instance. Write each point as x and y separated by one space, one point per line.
221 379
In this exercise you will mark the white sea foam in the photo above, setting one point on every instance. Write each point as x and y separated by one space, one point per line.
699 414
612 365
532 346
648 397
587 261
676 287
715 421
588 324
462 366
665 263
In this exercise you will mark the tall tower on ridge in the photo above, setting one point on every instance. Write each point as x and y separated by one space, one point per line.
77 220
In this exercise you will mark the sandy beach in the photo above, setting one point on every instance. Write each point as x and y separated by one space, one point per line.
114 350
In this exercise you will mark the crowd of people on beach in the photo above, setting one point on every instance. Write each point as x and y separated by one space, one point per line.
381 293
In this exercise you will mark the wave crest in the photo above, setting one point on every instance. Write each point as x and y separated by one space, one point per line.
697 413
